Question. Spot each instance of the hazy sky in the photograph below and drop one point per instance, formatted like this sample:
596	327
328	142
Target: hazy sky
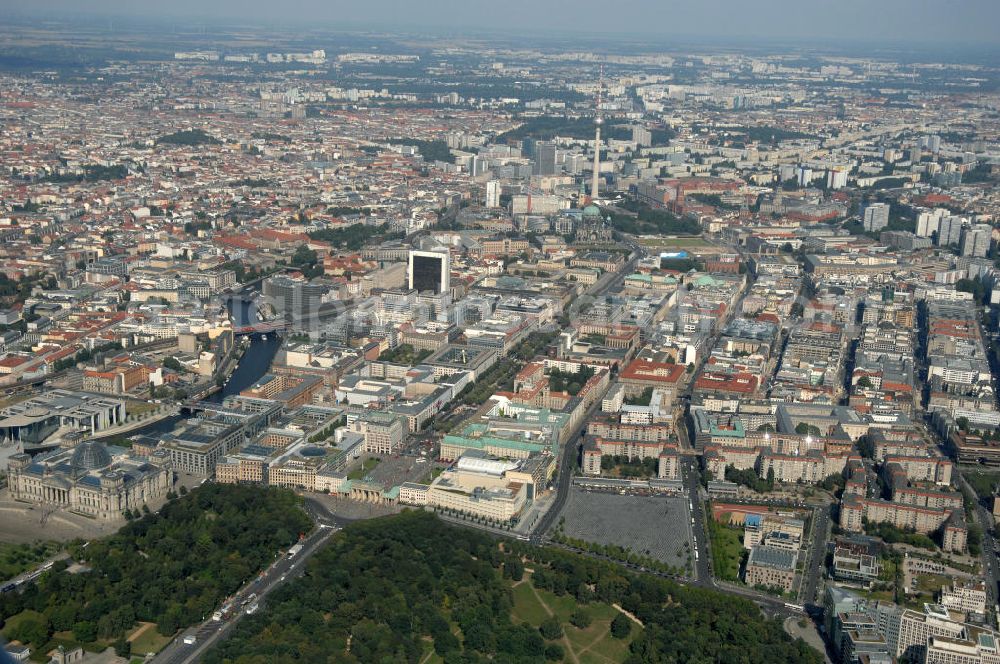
910	21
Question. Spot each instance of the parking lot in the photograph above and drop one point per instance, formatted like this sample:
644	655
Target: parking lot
654	526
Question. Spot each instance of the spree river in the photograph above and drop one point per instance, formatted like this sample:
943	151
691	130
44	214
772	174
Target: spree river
254	364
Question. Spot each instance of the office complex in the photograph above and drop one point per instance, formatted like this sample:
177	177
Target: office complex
545	158
429	272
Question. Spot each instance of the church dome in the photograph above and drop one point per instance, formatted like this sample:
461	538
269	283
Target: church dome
90	455
592	211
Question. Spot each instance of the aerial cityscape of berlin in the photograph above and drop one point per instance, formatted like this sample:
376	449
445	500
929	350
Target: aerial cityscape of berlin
525	332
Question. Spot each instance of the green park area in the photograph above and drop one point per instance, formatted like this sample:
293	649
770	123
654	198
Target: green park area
727	549
412	588
158	574
16	559
584	632
985	483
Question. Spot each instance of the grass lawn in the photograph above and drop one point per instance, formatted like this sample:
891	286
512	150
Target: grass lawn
18	558
16	620
582	639
593	645
612	649
882	595
428	655
984	482
727	549
932	583
147	639
364	469
527	606
137	408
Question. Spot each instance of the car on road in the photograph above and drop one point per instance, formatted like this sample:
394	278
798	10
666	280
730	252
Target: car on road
190	640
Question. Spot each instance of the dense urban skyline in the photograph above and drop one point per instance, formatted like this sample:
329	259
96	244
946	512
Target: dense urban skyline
527	332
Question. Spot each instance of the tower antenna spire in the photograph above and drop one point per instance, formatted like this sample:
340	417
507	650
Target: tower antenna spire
598	121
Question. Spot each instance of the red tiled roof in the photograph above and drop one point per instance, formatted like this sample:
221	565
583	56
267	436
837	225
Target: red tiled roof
656	371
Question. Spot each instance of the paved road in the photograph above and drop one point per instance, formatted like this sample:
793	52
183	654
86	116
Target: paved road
32	574
699	533
817	555
211	632
991	564
570	454
571	448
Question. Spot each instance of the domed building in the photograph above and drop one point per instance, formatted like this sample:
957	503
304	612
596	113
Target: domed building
90	479
592	228
90	455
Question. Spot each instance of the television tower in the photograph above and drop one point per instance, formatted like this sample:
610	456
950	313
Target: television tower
598	121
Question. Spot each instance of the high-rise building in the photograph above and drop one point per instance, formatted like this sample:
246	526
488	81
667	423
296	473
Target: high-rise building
932	143
295	300
641	136
875	216
836	179
950	230
929	221
528	147
479	165
805	176
976	240
545	158
429	271
493	194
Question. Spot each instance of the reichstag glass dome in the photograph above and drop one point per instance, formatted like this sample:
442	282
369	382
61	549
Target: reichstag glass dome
90	455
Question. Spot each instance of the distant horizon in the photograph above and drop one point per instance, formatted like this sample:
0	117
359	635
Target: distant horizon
915	24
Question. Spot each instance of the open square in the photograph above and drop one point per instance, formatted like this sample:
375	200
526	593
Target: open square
654	526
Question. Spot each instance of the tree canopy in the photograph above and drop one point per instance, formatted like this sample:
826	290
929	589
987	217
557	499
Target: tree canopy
380	589
351	237
188	137
171	568
651	221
